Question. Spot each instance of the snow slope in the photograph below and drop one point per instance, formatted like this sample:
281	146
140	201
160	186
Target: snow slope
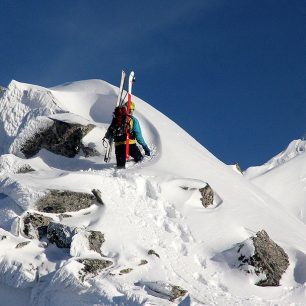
152	205
284	178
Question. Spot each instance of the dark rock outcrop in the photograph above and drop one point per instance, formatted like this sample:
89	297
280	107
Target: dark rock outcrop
61	138
35	225
152	252
207	196
177	292
269	259
259	256
25	169
57	201
61	234
93	266
96	239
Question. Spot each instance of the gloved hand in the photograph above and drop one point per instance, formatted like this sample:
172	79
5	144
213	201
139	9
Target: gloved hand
147	150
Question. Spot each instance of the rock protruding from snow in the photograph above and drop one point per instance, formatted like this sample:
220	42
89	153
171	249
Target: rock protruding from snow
238	168
87	243
269	258
92	267
96	239
163	290
207	196
152	252
58	201
25	169
22	244
61	234
35	225
259	256
61	138
97	194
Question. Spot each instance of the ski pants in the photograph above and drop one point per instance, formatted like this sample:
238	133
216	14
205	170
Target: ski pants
120	154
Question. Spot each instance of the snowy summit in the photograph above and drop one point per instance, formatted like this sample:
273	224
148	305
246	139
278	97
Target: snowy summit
178	228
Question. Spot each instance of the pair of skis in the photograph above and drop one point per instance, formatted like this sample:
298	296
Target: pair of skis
120	102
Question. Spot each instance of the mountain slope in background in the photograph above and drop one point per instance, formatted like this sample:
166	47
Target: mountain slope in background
151	206
284	178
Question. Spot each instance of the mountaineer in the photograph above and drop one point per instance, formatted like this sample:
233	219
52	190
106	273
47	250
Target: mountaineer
121	125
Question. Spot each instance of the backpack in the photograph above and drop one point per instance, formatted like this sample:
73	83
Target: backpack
120	121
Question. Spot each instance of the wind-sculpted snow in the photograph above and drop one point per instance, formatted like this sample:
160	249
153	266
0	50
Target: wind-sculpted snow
295	148
19	266
154	236
21	104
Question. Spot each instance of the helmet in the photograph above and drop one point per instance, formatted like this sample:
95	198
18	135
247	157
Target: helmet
132	105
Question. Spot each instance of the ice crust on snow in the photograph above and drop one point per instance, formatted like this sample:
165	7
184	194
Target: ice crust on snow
153	205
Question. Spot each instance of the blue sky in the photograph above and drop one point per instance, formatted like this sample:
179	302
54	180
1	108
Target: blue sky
230	72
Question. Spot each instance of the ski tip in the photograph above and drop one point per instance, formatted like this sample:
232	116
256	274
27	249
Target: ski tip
132	77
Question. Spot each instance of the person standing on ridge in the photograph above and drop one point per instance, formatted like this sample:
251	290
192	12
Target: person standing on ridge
117	131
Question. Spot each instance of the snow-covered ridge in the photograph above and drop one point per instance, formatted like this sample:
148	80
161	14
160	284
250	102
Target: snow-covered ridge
284	178
157	232
295	148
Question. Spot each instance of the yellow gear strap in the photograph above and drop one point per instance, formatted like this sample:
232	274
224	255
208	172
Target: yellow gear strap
132	141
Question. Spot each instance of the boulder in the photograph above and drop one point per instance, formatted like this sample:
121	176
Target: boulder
93	267
35	225
84	242
260	257
207	196
58	201
96	239
61	234
61	138
269	259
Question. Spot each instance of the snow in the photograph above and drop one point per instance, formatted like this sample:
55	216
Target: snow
153	205
284	178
